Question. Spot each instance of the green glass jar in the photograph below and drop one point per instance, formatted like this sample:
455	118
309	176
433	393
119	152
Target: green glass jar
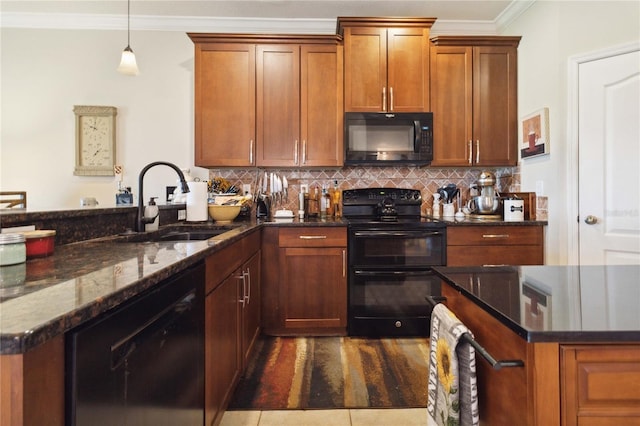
12	249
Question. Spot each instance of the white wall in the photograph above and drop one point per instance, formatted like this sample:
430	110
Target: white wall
552	32
46	72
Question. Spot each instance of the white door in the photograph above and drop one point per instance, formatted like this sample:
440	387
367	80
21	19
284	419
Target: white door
609	160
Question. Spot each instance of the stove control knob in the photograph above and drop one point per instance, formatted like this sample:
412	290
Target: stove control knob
398	324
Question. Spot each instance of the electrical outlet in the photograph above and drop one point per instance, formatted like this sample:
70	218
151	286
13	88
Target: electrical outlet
182	215
246	188
304	188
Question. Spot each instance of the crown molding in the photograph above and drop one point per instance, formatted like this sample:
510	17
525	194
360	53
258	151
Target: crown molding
77	21
512	12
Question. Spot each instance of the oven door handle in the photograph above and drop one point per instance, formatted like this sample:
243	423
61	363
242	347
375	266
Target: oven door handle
370	273
400	234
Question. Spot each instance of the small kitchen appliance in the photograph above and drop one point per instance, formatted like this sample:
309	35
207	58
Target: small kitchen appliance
488	202
384	139
392	250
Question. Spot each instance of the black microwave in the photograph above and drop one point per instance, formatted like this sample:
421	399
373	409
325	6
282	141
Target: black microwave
388	138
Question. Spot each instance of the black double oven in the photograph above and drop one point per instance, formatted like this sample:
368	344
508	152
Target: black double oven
392	250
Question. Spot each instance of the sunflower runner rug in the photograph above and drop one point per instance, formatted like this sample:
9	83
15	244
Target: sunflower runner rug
334	372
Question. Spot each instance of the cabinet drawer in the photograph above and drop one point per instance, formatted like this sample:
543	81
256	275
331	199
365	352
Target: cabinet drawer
219	265
494	235
320	236
495	255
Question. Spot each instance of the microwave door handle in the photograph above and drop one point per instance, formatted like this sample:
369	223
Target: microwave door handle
418	136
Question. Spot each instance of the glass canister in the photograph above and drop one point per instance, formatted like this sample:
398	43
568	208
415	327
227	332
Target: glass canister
12	249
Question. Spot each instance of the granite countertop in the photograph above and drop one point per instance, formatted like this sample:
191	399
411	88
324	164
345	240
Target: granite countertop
569	304
82	280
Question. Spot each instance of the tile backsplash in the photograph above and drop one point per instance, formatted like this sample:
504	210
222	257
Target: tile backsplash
426	179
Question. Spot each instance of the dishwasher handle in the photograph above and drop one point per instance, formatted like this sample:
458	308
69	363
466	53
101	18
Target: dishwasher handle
122	349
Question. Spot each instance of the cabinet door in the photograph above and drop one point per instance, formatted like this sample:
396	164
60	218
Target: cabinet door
365	62
451	103
222	357
321	109
408	69
278	105
314	288
224	104
251	306
495	124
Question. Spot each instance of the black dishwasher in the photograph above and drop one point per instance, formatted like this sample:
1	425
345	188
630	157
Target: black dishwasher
143	363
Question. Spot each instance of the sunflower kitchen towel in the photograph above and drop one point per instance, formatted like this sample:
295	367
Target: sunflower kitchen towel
452	389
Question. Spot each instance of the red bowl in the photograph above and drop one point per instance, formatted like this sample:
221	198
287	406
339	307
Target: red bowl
39	243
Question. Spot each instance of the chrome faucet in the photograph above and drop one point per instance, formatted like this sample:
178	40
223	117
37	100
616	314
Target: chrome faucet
141	220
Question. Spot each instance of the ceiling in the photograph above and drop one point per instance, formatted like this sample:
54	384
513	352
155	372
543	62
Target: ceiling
465	10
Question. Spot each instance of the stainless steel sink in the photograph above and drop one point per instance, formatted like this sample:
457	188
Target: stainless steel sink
191	235
175	234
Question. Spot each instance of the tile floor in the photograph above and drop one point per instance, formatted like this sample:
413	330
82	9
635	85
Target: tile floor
353	417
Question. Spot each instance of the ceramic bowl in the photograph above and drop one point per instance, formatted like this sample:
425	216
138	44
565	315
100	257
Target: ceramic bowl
224	214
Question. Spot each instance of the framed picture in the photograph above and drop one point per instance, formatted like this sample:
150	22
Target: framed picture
534	135
535	308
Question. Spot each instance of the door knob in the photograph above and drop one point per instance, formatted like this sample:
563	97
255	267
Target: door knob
591	220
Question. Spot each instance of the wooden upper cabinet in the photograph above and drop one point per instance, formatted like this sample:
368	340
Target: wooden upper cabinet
278	105
268	100
299	96
321	105
386	64
225	98
474	100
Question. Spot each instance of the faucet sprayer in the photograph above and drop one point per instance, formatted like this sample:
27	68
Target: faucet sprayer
141	220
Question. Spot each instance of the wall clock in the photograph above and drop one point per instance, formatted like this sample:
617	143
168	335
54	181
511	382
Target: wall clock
95	140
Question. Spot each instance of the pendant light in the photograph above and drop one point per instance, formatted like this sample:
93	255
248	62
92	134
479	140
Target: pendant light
128	65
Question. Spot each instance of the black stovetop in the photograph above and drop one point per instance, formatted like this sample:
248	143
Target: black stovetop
385	206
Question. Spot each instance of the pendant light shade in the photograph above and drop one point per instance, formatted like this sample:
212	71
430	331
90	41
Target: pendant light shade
128	65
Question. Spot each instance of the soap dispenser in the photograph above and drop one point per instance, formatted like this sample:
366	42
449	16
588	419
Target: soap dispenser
151	211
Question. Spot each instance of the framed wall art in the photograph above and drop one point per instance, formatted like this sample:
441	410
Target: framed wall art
534	134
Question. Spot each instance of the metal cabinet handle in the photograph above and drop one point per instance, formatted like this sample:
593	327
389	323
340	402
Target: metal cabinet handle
312	237
495	236
295	152
304	151
470	151
590	220
390	98
247	296
384	99
477	151
244	288
251	152
344	263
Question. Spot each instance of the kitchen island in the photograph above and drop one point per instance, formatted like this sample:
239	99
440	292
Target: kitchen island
575	328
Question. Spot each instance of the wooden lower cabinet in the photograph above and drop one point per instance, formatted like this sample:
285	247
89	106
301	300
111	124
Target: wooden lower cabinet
32	386
601	384
222	356
232	320
306	294
495	245
561	383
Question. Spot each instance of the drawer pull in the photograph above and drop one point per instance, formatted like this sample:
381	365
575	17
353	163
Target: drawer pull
495	236
313	237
